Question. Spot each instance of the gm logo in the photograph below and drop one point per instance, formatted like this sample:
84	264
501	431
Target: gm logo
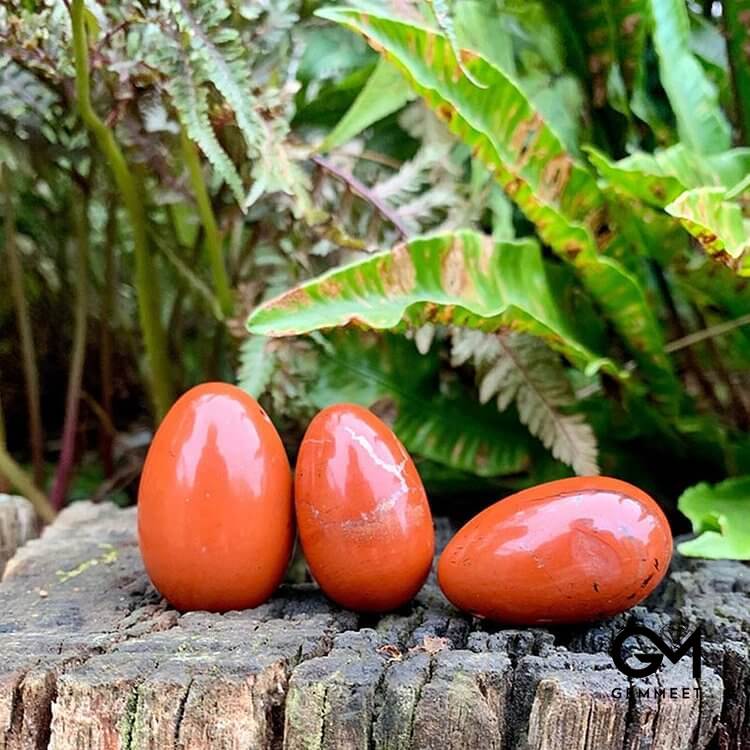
651	659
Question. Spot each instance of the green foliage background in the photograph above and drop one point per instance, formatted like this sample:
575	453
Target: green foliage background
516	230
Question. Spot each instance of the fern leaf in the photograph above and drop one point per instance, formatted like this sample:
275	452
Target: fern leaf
423	337
191	102
212	55
256	365
521	368
221	61
428	186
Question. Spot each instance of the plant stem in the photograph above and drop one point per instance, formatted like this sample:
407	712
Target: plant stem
145	272
75	375
358	187
211	229
28	353
19	479
105	334
707	333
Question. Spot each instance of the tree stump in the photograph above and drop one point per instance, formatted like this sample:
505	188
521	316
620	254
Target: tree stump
92	657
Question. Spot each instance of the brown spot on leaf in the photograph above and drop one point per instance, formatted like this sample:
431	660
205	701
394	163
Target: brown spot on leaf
707	238
429	53
429	312
331	288
599	224
398	272
524	137
291	300
453	274
485	256
725	258
513	186
572	249
444	111
555	176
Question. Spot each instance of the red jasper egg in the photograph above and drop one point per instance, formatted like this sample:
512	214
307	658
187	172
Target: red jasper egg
364	521
568	551
215	514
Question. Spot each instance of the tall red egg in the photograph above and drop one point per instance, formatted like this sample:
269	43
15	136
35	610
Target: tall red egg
567	551
364	521
215	512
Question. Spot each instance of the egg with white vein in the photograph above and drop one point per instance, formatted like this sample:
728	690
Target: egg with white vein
363	517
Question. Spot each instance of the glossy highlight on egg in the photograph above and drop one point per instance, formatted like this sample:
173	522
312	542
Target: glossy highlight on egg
215	511
568	551
364	520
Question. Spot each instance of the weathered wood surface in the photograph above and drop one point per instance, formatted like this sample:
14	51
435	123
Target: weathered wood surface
91	657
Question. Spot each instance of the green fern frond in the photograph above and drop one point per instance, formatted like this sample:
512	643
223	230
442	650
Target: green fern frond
208	54
256	365
521	368
427	188
216	51
191	102
24	101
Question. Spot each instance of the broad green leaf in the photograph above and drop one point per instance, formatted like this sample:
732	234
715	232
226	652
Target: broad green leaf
694	98
737	29
658	178
498	122
452	429
445	22
385	92
708	43
717	224
640	175
560	100
720	515
556	193
481	27
460	279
